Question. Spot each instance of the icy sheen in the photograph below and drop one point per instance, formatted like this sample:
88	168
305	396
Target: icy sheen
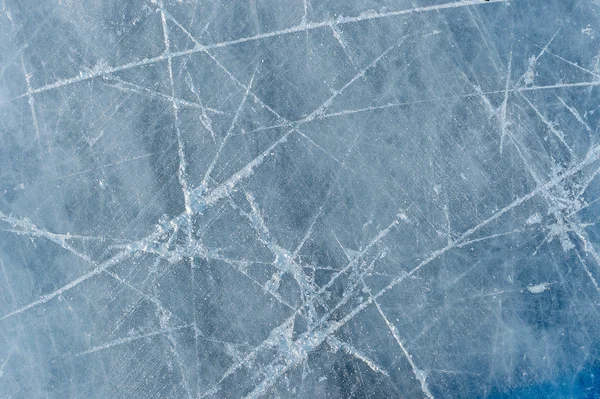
299	199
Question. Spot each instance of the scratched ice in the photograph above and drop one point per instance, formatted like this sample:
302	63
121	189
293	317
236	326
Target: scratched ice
299	199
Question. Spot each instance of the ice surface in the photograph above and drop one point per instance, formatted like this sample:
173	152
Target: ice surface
299	199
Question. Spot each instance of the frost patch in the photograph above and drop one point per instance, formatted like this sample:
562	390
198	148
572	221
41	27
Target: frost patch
530	74
534	219
587	30
538	288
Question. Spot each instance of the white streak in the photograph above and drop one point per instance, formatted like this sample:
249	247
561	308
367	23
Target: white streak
419	374
126	340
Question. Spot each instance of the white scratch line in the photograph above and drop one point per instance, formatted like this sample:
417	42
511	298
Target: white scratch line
47	297
225	188
505	101
559	135
4	365
341	20
181	173
31	102
419	375
295	29
336	344
576	114
134	88
588	272
122	341
539	55
573	64
228	134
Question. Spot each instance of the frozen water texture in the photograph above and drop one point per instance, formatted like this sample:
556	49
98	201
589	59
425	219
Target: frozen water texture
299	199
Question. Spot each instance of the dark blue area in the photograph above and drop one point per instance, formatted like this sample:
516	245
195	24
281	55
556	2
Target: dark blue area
583	385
